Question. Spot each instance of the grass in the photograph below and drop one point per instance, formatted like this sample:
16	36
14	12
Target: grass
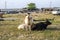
9	31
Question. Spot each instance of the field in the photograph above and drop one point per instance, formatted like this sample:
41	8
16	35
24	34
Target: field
9	31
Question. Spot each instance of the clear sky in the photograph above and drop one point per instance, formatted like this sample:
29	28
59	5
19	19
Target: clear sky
23	3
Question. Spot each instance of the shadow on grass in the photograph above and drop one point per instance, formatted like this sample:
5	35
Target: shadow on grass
53	28
1	19
41	25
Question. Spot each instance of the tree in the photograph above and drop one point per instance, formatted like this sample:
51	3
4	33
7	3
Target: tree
31	6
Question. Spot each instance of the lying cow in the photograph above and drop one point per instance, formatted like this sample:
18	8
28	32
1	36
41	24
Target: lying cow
28	23
22	26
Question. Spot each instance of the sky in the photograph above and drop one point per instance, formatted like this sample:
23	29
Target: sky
23	3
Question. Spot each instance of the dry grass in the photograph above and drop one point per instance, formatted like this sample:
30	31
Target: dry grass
9	31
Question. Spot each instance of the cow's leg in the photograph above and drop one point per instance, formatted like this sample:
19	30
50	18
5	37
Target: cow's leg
26	27
29	28
32	26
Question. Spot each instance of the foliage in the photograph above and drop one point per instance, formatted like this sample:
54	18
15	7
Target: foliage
31	6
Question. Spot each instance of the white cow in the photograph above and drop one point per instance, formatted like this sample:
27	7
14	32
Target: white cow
28	21
22	26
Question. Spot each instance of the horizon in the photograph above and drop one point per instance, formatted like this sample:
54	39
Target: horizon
11	4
